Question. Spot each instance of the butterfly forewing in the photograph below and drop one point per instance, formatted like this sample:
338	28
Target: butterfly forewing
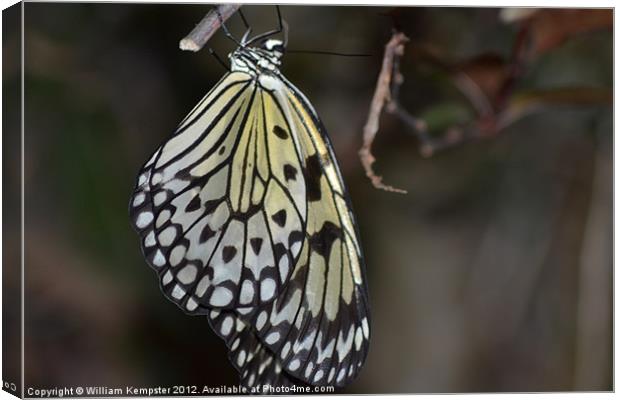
224	228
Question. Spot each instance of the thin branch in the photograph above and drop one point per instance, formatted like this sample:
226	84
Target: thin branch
491	119
393	107
495	113
393	50
519	107
210	24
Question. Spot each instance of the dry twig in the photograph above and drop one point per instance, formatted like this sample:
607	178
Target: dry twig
393	50
492	116
201	34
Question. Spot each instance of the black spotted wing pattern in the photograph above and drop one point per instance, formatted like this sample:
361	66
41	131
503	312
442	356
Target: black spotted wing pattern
244	216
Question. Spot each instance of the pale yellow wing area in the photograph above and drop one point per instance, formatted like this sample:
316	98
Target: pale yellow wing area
317	328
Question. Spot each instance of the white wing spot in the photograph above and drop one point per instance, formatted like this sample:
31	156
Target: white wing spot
341	374
138	199
142	180
221	297
295	247
251	380
241	358
247	292
301	312
178	292
267	289
167	278
201	288
176	255
309	369
260	321
344	345
159	198
285	349
144	218
294	365
365	327
226	326
158	259
191	304
188	274
358	338
240	325
156	178
262	367
283	266
162	218
318	375
149	241
327	350
167	236
272	338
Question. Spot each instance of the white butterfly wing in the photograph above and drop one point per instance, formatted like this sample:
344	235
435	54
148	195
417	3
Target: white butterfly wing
220	222
244	216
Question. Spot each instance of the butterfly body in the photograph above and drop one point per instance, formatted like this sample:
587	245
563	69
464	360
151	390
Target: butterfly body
244	216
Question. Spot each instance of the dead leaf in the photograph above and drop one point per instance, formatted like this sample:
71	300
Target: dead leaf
552	27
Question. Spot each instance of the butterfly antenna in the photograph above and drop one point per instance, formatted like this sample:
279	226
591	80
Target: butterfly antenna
245	21
329	53
273	32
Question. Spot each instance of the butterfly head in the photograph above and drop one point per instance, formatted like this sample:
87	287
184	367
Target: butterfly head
264	58
274	46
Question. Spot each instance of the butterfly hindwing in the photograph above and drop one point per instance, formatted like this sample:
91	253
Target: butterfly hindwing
319	325
258	367
317	328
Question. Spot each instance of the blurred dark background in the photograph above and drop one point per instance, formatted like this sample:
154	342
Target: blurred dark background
492	274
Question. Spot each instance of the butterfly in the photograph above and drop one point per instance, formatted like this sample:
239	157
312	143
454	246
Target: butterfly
244	216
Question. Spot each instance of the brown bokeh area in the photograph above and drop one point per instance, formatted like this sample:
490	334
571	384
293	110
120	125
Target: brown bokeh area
493	273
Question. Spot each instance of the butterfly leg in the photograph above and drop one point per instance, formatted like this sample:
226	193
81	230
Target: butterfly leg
225	29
